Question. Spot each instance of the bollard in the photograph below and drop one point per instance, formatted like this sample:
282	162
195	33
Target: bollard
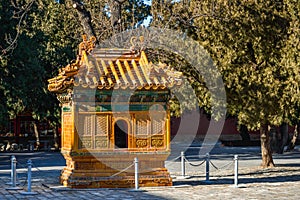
136	173
28	192
207	168
13	171
13	174
182	165
236	167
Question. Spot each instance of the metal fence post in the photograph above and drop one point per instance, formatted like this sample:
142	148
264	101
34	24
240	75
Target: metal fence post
13	171
13	174
182	164
136	173
29	164
236	168
207	168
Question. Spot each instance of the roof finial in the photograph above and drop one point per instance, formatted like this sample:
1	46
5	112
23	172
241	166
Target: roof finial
137	46
87	44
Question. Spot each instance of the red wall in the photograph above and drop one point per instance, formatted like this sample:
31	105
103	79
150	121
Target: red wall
229	127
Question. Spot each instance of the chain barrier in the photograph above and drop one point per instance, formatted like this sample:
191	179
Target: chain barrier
194	165
123	170
22	166
28	178
207	160
29	192
17	166
116	174
183	160
170	161
38	171
212	164
222	167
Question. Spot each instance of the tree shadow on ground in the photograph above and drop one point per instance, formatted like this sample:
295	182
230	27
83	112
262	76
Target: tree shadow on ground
227	153
39	159
260	176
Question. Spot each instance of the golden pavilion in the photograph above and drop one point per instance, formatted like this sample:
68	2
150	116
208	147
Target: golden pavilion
114	108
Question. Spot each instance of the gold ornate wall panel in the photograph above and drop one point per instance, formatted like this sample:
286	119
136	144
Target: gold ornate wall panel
150	133
92	131
85	142
141	143
67	134
157	141
101	142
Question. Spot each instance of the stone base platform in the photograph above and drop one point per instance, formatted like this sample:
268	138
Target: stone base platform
114	170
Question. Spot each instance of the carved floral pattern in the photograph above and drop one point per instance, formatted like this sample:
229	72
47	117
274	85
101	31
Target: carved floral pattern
140	143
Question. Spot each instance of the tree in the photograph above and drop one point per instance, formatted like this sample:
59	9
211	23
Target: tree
292	143
40	36
104	18
254	44
248	41
3	61
34	42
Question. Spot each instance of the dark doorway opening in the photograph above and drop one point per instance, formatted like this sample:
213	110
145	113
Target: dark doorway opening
121	137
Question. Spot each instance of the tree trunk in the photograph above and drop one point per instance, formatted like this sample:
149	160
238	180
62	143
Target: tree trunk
273	139
37	136
266	152
85	18
244	133
115	13
55	138
292	143
284	136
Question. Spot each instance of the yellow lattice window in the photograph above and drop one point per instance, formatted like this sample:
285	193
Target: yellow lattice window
143	125
158	126
84	125
92	131
101	125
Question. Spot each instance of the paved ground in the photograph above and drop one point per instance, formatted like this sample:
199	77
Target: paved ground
282	182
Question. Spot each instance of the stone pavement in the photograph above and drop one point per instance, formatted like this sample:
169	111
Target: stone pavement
282	182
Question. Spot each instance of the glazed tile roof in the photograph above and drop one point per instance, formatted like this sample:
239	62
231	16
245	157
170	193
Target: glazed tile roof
114	69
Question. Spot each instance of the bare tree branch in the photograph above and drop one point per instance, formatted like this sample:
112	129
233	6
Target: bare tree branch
85	18
115	11
22	11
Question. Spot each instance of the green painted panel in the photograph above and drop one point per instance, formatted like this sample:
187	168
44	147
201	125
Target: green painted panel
66	109
132	107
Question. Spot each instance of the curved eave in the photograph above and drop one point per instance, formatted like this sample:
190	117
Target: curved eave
103	73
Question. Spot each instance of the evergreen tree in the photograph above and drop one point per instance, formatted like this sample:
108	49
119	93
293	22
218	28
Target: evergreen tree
255	45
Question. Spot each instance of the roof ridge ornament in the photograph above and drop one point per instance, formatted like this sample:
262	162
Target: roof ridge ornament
137	46
87	45
163	70
114	68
